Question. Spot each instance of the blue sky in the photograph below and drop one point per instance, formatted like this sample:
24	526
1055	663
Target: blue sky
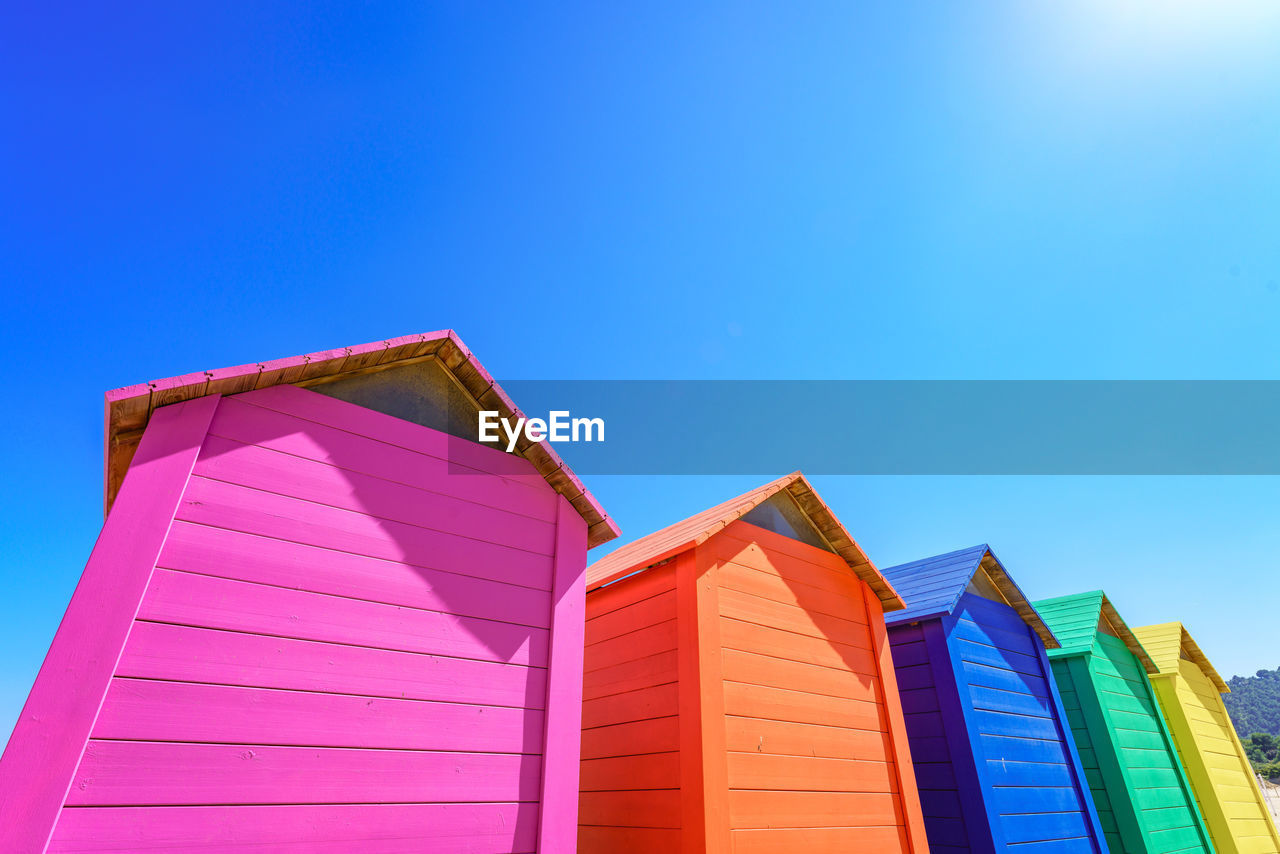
888	190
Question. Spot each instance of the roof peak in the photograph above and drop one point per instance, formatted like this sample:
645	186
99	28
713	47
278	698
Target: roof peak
932	587
1169	641
129	408
681	536
1076	618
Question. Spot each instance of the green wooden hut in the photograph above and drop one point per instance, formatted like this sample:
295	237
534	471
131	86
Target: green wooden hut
1144	800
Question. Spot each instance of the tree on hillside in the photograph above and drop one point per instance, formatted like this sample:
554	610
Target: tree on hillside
1254	703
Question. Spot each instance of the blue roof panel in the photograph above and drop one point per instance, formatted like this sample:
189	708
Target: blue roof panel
932	586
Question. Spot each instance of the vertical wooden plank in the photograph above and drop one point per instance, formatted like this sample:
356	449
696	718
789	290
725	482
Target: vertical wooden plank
558	818
1184	781
693	800
964	746
1115	775
917	841
704	758
1193	761
1077	770
989	819
40	761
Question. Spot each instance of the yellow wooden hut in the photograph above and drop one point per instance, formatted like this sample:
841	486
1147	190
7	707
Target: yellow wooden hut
1190	694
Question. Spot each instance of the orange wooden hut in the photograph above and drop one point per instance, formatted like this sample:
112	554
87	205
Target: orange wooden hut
739	690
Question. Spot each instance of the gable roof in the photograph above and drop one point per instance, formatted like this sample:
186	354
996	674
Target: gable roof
129	409
682	536
1074	621
1168	641
933	586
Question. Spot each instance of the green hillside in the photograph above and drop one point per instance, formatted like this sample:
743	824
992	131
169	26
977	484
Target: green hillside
1254	703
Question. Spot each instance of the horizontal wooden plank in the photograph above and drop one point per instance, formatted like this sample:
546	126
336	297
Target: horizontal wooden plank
845	605
656	735
939	776
1014	800
326	829
217	603
1005	773
979	653
764	612
627	840
616	773
819	840
183	654
1018	641
634	808
650	583
280	563
783	738
909	653
762	669
780	705
658	701
1003	679
753	637
139	773
633	617
639	644
507	485
251	511
1037	827
940	804
1026	726
917	700
630	675
1021	705
348	417
142	710
829	574
1015	749
927	749
752	809
321	483
809	773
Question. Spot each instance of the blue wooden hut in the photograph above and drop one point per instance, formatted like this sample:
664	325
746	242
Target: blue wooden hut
995	762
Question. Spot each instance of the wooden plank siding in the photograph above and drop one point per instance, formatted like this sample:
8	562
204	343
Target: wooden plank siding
1188	690
1034	781
1142	794
344	645
995	763
630	772
812	762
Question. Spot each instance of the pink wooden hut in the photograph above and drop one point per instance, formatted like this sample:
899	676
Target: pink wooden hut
320	618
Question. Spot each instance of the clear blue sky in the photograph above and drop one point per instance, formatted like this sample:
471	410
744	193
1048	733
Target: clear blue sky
888	190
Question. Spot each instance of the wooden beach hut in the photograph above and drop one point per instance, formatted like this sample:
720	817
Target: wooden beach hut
995	763
320	618
1144	800
739	695
1190	694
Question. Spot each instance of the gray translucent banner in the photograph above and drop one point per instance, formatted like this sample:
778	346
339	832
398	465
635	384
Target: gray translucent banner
916	427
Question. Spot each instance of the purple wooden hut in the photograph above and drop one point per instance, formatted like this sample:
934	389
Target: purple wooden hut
320	617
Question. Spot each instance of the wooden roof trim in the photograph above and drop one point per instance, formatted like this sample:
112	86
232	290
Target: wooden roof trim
1164	635
1016	599
1193	651
129	409
661	545
1112	616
